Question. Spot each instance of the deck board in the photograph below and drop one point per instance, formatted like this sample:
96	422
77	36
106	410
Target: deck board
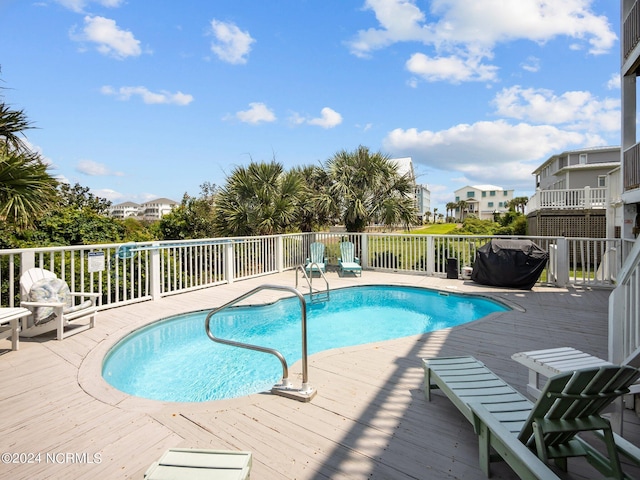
370	419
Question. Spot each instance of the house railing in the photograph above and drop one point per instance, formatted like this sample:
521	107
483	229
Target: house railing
128	273
577	198
631	167
624	313
630	31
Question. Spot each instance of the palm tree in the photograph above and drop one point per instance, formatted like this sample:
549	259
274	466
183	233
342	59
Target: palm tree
12	125
518	204
462	205
26	188
451	207
260	199
319	208
368	189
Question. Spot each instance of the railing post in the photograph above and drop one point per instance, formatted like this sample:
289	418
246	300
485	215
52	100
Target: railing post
431	256
229	261
27	260
280	253
155	274
562	262
587	197
364	243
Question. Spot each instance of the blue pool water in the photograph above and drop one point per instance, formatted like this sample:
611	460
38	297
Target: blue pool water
174	360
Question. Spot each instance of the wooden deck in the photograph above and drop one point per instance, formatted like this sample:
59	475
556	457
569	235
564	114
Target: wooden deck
369	420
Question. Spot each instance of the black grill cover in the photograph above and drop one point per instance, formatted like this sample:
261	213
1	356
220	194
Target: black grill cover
509	263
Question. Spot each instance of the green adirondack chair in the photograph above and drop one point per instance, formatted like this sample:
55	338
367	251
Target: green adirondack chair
525	434
316	260
348	262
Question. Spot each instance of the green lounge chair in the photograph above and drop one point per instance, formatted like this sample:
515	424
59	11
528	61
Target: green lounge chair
316	260
527	435
348	262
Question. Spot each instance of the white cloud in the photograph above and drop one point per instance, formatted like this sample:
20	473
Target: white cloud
147	96
614	82
110	39
463	33
231	44
576	110
258	113
328	118
532	64
454	69
502	152
95	169
111	195
486	152
79	5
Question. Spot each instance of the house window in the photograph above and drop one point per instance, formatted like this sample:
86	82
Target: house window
457	199
491	204
471	194
583	158
492	193
500	205
484	194
602	180
505	193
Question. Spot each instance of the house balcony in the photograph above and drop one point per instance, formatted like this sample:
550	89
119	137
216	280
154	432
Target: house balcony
630	31
568	199
631	168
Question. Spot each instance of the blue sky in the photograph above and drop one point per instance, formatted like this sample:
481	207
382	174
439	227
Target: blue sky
142	99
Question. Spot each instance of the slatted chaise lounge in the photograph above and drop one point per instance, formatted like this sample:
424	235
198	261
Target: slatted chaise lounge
527	435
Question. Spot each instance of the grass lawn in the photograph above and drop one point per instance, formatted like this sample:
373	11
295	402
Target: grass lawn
435	229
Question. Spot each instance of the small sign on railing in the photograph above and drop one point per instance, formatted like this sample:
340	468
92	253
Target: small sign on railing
96	262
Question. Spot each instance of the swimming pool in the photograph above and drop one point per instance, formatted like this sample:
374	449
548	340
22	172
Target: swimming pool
174	360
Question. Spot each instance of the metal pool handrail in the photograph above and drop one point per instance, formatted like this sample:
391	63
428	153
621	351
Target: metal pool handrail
306	390
309	278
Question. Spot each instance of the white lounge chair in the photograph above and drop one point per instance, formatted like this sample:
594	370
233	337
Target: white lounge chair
194	463
54	306
10	324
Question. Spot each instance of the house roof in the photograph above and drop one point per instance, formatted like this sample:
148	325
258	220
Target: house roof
574	152
487	187
166	201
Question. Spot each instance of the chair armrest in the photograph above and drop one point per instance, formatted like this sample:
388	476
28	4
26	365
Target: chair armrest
624	447
519	457
42	304
85	294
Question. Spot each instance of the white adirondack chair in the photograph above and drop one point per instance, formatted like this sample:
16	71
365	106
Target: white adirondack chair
45	295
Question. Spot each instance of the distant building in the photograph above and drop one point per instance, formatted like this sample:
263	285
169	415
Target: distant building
153	210
577	169
124	210
156	209
482	201
574	191
421	195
